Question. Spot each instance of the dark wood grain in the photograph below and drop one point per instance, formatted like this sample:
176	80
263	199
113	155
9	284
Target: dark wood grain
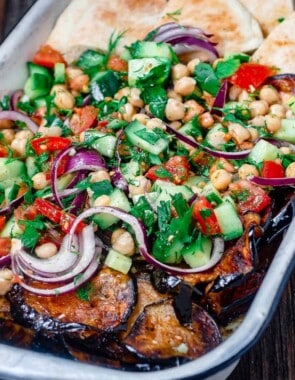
273	357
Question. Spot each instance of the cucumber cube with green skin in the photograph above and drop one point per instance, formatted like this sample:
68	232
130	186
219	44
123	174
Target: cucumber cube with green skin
90	58
11	172
148	71
212	141
264	151
59	73
229	221
137	134
37	85
118	261
150	49
168	189
11	229
104	143
212	194
37	69
104	84
198	253
172	254
287	131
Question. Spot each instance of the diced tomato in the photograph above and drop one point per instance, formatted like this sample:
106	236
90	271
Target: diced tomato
205	217
116	63
2	222
83	119
272	169
251	74
3	151
61	167
177	168
5	246
50	144
48	57
25	213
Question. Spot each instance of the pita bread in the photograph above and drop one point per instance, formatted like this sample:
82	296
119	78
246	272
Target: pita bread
278	49
90	23
268	13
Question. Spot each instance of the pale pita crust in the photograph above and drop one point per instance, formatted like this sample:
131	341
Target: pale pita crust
278	49
89	23
269	12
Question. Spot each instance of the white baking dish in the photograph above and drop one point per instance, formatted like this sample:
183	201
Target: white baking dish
216	365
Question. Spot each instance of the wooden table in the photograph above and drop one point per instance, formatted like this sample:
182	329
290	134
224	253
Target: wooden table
273	357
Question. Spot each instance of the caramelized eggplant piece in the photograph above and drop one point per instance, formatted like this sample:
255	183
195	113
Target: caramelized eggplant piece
157	334
17	335
4	308
163	281
183	304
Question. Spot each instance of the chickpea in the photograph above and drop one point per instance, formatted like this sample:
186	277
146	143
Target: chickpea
155	123
122	241
253	133
103	200
234	92
172	94
192	108
222	163
258	107
179	71
258	121
100	175
26	135
63	98
269	94
175	124
80	83
127	111
141	185
238	132
46	250
39	181
285	150
6	277
206	120
19	146
73	72
279	110
134	98
8	135
273	123
247	170
184	86
122	92
174	110
192	64
141	117
218	138
290	171
221	179
244	96
53	131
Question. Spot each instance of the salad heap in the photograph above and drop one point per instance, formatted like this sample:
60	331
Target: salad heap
151	157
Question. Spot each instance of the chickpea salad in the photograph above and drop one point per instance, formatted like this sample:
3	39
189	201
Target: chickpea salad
152	160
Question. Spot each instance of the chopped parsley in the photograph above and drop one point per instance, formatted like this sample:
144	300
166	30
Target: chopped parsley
225	69
31	234
83	293
5	103
174	15
207	78
156	98
148	136
161	172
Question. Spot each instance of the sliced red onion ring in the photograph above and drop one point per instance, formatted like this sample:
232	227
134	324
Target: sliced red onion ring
63	194
12	205
85	159
274	182
78	202
18	116
119	181
216	153
141	238
14	99
220	99
5	260
283	82
172	29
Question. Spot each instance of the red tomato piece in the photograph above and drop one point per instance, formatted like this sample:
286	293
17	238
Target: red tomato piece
48	57
50	144
272	169
28	213
177	168
83	119
116	63
251	74
3	151
205	217
61	167
2	222
152	173
5	246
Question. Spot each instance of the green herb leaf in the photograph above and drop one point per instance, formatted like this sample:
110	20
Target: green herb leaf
30	236
156	98
174	15
142	210
163	173
83	293
225	69
207	78
164	215
179	204
148	136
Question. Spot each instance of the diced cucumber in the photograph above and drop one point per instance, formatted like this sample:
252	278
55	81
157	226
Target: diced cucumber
229	199
131	170
63	181
37	85
37	69
32	168
190	130
212	194
104	84
117	199
229	221
90	58
117	261
116	124
10	172
172	189
59	73
150	49
11	192
11	229
198	253
196	180
145	139
104	143
152	197
172	255
287	131
148	71
212	141
291	104
264	151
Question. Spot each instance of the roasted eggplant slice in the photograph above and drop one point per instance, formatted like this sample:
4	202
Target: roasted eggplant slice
17	335
157	334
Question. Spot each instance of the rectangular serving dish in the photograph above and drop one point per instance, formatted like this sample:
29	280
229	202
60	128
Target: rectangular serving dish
217	364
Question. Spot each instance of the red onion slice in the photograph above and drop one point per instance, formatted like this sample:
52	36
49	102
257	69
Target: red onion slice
220	99
274	182
172	29
18	116
5	260
12	205
85	159
14	99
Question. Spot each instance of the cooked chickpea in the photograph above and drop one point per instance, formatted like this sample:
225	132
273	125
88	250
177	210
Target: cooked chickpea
53	131
290	171
155	123
122	241
279	110
122	92
258	107
103	200
179	71
127	111
234	92
26	134
141	184
80	83
269	94
247	170
172	94
174	110
238	132
39	181
6	277
285	150
63	99
273	123
184	86
134	98
258	121
206	120
221	179
192	64
253	133
100	175
244	96
192	109
73	72
19	146
218	138
8	135
46	250
175	124
141	117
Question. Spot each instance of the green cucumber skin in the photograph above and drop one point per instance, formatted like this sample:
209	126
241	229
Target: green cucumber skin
196	257
229	221
264	151
104	143
287	131
11	172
